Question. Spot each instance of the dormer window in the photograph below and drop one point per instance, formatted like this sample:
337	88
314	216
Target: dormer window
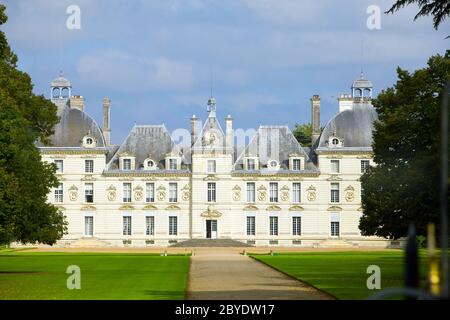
173	163
126	161
296	162
251	163
273	165
89	142
334	142
149	164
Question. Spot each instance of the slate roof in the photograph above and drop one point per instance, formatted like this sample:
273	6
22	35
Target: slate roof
354	127
145	141
274	143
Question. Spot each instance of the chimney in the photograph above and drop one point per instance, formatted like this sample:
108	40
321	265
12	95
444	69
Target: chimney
106	123
194	133
345	102
229	131
77	102
315	118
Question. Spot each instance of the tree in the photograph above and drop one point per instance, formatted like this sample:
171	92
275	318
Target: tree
302	132
25	181
439	9
403	187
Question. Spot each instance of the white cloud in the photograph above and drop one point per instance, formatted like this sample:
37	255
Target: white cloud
124	72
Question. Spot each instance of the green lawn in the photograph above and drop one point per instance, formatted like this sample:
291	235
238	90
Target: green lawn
342	274
27	275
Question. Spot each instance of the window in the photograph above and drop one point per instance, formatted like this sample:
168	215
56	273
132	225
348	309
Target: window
173	164
88	166
273	186
59	193
364	166
173	226
126	192
334	228
89	226
296	226
251	164
126	164
273	224
211	192
89	192
251	223
127	225
335	192
59	166
296	192
334	166
211	166
335	141
150	192
296	164
150	226
173	192
273	164
250	192
89	141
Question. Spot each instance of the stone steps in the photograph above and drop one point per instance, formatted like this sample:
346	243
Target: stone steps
210	243
89	242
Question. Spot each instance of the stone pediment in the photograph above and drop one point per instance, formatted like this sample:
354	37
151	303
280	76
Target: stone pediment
296	208
334	178
88	208
211	213
334	208
88	178
149	207
273	208
126	207
250	208
210	177
173	207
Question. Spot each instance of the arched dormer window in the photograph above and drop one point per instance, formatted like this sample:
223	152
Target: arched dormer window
273	164
89	142
335	142
150	164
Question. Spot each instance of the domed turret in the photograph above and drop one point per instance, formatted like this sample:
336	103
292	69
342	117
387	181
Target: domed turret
362	88
60	88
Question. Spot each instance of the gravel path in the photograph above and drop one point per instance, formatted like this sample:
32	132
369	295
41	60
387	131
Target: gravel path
226	274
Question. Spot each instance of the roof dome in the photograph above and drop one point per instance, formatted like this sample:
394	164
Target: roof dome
60	82
362	82
74	125
352	127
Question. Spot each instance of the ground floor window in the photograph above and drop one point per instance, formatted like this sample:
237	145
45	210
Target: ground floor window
173	226
296	226
150	226
334	229
251	229
89	226
127	226
273	225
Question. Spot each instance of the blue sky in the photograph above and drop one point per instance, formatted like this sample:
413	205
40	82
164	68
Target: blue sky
153	58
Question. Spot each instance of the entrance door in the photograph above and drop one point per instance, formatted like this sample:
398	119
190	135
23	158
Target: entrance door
88	226
211	229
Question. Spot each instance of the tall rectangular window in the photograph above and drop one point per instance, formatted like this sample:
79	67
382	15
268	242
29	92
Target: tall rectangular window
251	164
335	192
126	191
149	192
273	225
173	226
250	192
273	188
335	166
88	166
296	164
89	226
211	192
211	166
127	225
296	226
251	226
59	193
173	164
59	166
126	164
365	166
150	226
335	229
173	192
89	192
296	192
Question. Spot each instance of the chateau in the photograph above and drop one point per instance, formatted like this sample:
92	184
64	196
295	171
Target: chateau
148	191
